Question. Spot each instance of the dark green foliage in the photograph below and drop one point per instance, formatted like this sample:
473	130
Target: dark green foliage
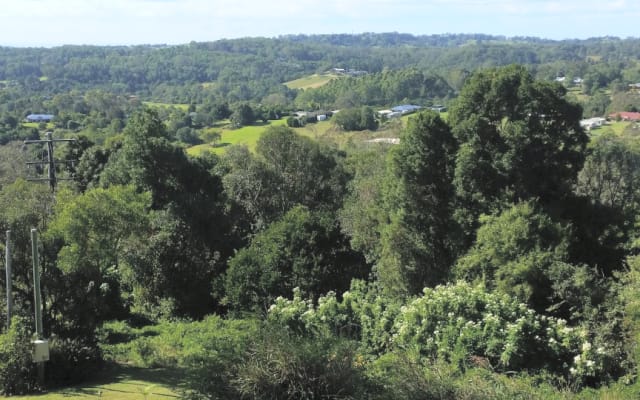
419	243
611	173
519	139
173	264
289	170
363	214
356	119
242	115
304	249
72	361
17	370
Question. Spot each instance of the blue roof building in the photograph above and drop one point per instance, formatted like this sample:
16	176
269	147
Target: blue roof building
406	108
39	118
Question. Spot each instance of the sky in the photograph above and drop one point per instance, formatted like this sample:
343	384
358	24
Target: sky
46	23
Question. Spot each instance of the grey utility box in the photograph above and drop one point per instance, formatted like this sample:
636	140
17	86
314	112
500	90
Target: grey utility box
40	350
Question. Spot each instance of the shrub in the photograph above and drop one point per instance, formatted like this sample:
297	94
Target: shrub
282	365
17	371
460	324
72	361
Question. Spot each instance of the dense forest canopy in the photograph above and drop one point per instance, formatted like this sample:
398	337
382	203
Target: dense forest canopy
487	236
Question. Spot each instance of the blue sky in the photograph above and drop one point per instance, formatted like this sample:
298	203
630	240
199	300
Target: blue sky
111	22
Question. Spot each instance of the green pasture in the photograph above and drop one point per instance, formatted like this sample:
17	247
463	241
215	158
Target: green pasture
153	104
310	82
247	135
324	130
37	125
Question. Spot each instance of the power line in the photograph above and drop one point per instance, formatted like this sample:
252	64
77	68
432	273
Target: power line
51	162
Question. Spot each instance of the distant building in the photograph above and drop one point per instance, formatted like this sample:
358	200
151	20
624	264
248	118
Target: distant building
592	123
626	116
578	81
388	114
385	140
560	79
438	107
406	108
321	117
39	118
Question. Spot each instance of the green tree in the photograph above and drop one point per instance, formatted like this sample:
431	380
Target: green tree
519	139
363	214
418	244
96	228
242	115
356	119
524	253
189	193
288	170
304	249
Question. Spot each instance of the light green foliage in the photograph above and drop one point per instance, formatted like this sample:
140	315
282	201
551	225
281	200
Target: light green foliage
516	252
96	224
95	229
17	370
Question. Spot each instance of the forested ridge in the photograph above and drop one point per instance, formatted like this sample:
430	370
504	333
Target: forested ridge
491	253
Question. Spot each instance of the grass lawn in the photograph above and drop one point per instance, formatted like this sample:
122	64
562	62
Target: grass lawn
247	135
183	107
37	125
120	382
309	82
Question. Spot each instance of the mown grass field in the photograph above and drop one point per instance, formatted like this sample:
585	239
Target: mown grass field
183	107
311	82
247	135
120	382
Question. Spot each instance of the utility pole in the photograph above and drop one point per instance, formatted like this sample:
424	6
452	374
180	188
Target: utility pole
51	162
9	284
41	346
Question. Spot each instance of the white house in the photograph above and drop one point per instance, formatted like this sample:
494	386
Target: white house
592	123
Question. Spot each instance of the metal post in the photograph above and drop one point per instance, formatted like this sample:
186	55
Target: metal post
36	282
9	284
37	297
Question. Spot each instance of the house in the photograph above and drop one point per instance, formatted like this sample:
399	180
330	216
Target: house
592	123
560	79
322	117
39	118
578	81
625	116
406	108
438	107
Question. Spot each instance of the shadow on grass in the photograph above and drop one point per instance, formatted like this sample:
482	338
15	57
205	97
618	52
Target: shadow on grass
124	381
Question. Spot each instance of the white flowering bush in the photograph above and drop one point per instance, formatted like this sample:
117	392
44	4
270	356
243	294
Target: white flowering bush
458	323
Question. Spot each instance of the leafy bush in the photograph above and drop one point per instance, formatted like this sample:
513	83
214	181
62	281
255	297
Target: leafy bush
17	371
72	360
282	365
460	324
